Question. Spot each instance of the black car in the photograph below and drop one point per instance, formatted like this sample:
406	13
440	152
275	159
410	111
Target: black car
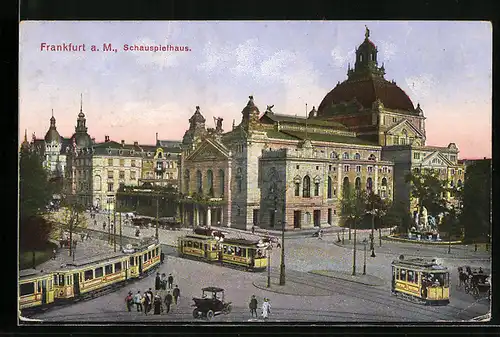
211	303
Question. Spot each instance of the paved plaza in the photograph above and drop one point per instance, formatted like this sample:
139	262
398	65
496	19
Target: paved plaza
319	285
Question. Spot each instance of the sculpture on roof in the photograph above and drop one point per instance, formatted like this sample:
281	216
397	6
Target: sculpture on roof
269	107
367	32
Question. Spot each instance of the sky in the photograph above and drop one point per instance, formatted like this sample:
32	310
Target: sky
445	66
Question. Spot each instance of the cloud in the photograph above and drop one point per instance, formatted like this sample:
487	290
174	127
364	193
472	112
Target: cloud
388	50
340	58
421	85
215	57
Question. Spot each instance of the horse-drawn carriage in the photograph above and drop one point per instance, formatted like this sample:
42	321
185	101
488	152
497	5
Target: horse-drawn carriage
211	303
169	223
475	281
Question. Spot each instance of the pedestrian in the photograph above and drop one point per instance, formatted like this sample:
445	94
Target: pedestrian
163	281
150	299
170	281
162	257
88	236
157	282
95	223
54	254
266	308
129	301
147	302
138	301
177	293
320	234
82	236
253	306
104	226
168	301
253	229
158	307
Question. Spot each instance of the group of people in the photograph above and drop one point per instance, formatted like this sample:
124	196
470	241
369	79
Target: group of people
165	295
266	307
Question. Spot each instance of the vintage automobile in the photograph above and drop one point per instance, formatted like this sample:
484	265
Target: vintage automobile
211	303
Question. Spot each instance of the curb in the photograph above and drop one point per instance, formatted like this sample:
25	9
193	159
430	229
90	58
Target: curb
320	272
273	290
471	258
441	243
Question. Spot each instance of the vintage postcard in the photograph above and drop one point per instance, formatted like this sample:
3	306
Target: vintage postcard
254	171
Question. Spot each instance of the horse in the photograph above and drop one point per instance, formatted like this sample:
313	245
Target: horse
462	277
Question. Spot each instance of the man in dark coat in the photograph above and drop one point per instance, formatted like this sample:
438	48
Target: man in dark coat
129	301
253	305
158	308
149	296
168	301
170	281
176	292
162	257
157	282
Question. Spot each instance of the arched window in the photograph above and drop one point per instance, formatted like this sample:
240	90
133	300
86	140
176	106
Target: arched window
306	189
297	189
334	155
459	183
357	156
360	57
221	182
345	185
239	178
372	157
329	188
345	155
357	183
210	183
384	188
199	182
97	183
369	184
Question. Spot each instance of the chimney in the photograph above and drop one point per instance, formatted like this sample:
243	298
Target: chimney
106	138
136	143
123	142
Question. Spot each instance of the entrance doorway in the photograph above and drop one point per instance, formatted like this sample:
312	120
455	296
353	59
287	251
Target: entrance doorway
317	217
255	217
272	218
297	215
329	216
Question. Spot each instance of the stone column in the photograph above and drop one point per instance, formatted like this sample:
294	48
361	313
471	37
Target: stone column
229	192
209	217
196	215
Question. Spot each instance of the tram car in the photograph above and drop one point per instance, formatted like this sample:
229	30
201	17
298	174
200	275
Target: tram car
421	280
36	288
211	246
87	278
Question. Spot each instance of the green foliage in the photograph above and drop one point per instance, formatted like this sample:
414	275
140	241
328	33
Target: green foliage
451	224
35	192
476	210
353	205
397	215
34	233
429	189
381	206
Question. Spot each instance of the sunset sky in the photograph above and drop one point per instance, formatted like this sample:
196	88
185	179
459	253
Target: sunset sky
444	66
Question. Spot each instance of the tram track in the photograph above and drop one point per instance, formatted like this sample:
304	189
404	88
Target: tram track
375	295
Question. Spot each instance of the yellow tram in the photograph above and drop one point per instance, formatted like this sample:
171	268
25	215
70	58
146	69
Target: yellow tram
36	288
249	254
84	278
421	280
210	246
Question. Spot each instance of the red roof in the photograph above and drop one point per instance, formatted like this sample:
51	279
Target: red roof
366	91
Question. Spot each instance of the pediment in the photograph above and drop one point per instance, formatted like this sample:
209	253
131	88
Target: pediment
405	125
209	150
436	159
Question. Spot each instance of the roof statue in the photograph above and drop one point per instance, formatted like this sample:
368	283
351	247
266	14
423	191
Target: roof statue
269	107
367	32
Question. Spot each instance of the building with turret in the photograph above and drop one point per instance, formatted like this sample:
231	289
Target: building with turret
274	169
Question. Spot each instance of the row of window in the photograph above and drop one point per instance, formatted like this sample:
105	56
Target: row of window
121	175
306	186
31	287
356	156
331	168
209	181
437	170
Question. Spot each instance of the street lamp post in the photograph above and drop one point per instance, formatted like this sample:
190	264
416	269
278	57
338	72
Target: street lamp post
282	267
380	237
364	261
343	229
354	252
372	245
269	266
109	222
114	229
121	236
156	230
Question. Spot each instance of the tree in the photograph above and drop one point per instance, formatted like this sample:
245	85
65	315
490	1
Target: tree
35	192
69	218
353	205
475	217
451	223
381	206
398	215
429	189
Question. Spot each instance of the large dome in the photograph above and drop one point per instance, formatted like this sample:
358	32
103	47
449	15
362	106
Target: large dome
81	140
366	91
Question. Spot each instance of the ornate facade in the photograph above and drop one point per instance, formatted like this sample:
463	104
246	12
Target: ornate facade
282	169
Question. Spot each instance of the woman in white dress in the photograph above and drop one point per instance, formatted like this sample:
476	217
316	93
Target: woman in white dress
266	308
